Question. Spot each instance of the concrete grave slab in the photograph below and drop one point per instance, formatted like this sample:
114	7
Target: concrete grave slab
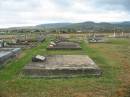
64	45
7	53
62	65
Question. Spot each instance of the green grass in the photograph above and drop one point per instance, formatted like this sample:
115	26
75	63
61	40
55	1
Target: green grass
14	67
13	85
120	41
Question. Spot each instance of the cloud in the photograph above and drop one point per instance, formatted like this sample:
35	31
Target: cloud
113	4
32	12
62	3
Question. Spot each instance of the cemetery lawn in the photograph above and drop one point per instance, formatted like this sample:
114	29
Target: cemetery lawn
113	58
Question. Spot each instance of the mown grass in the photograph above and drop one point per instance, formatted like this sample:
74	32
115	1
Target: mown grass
12	85
120	41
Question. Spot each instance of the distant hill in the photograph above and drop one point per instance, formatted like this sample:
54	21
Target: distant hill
87	26
54	25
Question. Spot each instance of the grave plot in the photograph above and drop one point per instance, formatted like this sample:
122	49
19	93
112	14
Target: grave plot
24	42
98	40
7	53
63	45
62	66
21	45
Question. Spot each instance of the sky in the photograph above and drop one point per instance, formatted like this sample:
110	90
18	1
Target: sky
32	12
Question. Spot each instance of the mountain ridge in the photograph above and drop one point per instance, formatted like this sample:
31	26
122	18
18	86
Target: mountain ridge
83	26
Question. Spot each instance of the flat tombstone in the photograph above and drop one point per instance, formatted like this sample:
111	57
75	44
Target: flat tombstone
62	65
7	53
64	45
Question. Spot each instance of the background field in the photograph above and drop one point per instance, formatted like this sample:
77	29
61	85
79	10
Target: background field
113	58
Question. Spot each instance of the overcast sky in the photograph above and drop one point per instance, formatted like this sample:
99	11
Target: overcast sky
33	12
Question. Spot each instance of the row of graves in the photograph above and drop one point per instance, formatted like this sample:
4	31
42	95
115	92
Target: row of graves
119	35
11	49
100	38
26	42
61	65
21	41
